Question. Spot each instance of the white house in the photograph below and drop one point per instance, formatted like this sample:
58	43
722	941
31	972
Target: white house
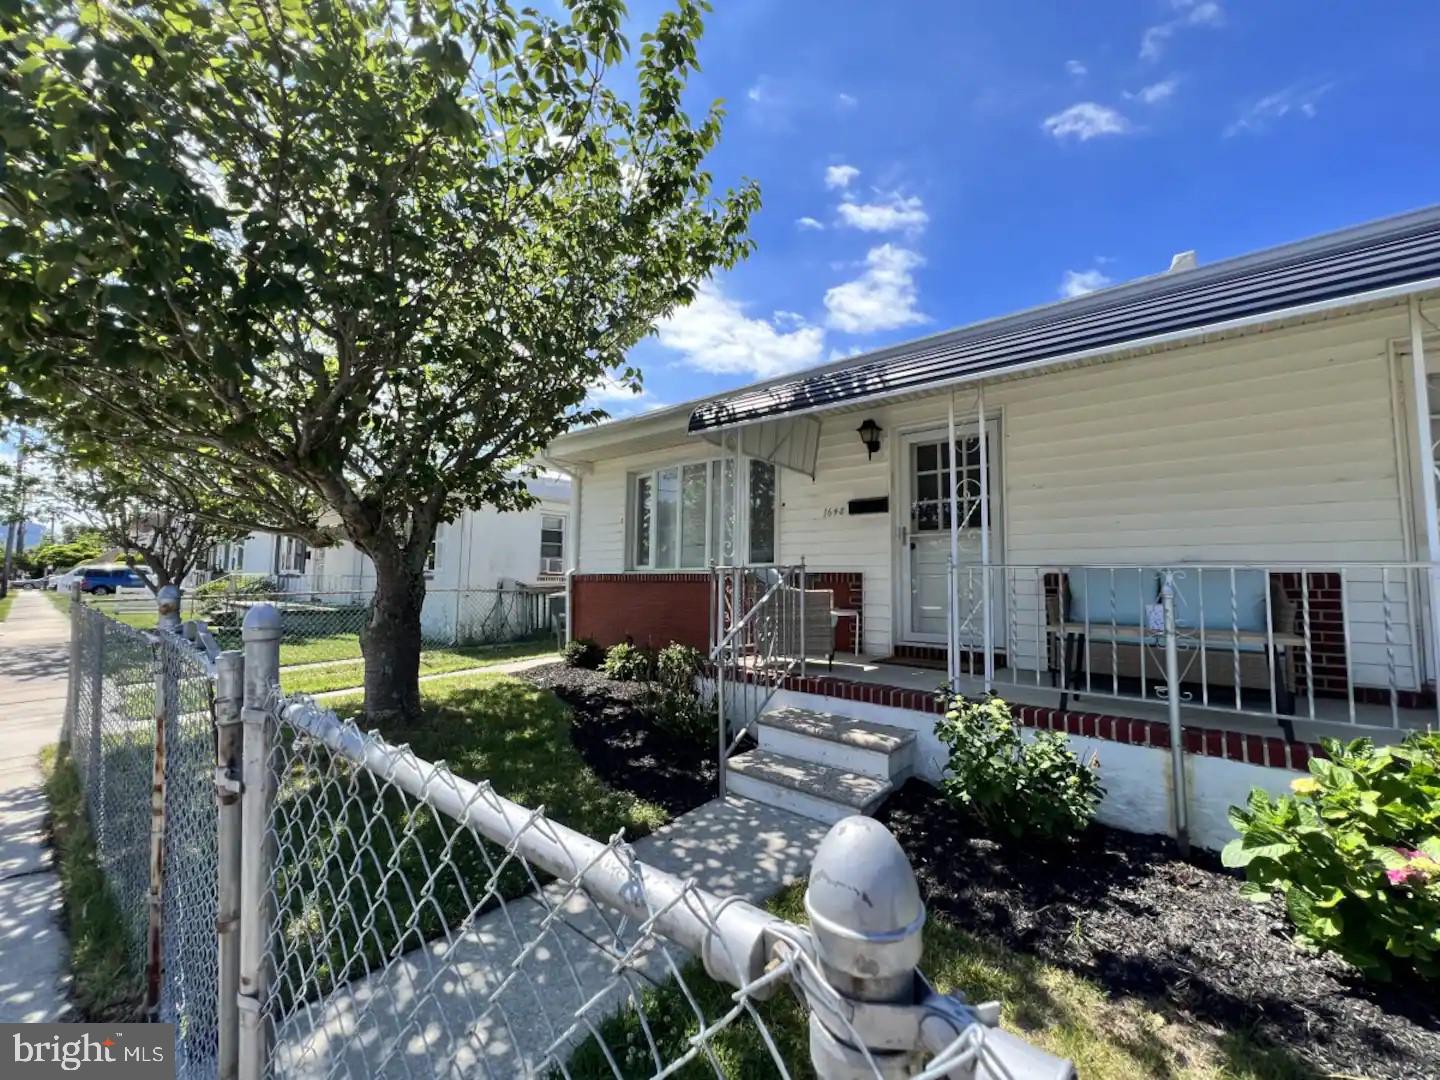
1253	434
480	552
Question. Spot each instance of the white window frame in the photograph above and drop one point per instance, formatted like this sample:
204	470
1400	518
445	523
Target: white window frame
564	528
741	539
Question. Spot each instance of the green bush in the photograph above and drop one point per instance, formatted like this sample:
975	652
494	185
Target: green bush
582	653
1354	854
233	586
677	666
1023	789
628	663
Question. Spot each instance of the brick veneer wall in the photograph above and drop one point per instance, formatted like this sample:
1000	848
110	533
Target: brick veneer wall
655	609
648	609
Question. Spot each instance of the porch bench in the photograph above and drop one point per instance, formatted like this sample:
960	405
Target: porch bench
1105	631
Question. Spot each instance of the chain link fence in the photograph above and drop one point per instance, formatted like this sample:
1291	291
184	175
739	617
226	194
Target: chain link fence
309	900
141	722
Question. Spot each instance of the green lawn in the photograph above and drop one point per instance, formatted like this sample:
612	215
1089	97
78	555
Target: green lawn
346	676
339	861
1107	1038
6	603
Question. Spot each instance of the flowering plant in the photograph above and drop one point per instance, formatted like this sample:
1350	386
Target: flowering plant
1354	852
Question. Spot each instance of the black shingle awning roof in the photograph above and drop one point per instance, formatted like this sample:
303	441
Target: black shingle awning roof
1395	252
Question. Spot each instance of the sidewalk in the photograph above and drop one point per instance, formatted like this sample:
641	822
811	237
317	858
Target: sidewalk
34	647
429	1011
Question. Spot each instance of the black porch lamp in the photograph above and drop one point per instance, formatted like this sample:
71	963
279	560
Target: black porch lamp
870	436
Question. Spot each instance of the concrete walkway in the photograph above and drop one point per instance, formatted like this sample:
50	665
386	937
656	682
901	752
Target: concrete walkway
34	647
429	1014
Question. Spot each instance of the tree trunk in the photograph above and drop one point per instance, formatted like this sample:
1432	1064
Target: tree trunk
390	641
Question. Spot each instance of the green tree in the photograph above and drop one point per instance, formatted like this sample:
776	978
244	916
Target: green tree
377	250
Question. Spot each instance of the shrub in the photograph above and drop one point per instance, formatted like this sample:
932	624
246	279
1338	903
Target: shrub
1354	854
1022	789
672	701
677	666
583	653
628	663
237	586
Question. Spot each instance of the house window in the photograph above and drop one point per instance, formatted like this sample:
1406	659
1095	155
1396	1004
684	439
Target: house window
552	544
291	555
435	553
684	515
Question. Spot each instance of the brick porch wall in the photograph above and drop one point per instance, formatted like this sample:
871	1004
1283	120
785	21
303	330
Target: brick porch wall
653	610
656	609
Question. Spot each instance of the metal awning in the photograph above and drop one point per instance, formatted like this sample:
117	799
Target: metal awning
792	442
1386	255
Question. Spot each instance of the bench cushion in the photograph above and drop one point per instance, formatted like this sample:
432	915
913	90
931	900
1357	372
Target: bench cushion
1112	597
1211	590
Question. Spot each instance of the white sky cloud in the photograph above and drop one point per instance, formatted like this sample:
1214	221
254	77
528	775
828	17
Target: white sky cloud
1300	99
808	223
840	176
892	212
1156	92
619	400
1079	282
1077	68
883	297
1086	120
846	101
714	334
1188	13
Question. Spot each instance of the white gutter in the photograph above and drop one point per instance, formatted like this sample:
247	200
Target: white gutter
1391	292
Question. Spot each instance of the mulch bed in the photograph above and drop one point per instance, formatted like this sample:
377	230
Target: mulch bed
619	743
1128	912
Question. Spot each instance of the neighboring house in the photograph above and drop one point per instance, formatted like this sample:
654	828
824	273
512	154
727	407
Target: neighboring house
481	550
1259	428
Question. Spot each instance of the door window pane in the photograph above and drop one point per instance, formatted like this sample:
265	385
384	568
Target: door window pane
642	521
762	512
693	507
667	506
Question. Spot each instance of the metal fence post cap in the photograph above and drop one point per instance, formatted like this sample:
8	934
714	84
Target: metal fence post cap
864	904
262	621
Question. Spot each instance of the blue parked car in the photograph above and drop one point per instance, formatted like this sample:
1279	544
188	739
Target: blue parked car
103	580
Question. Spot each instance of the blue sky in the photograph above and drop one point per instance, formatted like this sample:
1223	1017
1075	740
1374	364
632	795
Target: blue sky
927	164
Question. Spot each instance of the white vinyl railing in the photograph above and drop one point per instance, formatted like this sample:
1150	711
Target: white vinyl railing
1340	643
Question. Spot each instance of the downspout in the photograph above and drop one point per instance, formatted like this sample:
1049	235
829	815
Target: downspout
1424	451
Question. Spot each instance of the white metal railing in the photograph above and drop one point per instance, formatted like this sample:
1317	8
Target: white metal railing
757	640
1321	642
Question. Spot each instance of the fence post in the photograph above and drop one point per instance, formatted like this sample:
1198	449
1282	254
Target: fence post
167	600
1172	695
866	919
229	698
167	695
261	635
72	683
97	709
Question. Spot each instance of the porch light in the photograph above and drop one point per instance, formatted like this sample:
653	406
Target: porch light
870	436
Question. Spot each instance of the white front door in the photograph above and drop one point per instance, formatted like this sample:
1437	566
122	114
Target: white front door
926	534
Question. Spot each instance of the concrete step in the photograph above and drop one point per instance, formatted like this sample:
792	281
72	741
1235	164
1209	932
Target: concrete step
819	792
842	742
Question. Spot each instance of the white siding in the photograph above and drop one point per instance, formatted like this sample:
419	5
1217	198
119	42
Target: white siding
1278	447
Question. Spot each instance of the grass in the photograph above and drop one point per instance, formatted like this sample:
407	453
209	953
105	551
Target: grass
6	603
345	676
1107	1038
342	864
104	987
